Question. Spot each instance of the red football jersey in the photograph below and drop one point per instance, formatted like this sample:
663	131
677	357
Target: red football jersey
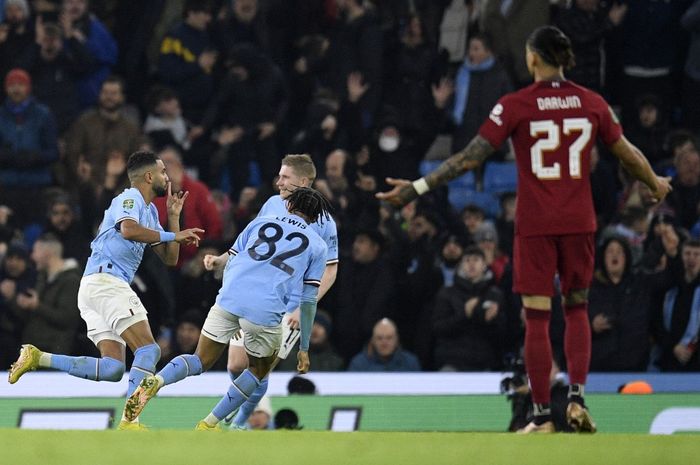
553	126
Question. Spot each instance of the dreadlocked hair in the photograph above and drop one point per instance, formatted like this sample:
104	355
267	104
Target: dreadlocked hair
311	203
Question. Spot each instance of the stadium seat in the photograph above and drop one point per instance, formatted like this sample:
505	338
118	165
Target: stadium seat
500	177
461	197
466	181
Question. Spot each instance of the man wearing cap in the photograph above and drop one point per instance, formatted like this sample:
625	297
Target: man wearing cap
28	148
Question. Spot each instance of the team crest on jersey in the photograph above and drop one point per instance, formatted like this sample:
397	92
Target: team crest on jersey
128	203
496	113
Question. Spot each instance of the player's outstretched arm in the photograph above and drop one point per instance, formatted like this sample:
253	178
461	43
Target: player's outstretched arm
469	158
638	166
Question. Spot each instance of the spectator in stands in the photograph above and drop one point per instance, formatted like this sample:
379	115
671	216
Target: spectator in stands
587	24
510	23
505	223
479	83
472	218
691	86
50	310
101	132
468	318
650	36
648	130
330	123
16	277
320	348
28	148
195	287
56	70
676	326
261	418
187	58
200	210
686	183
632	226
397	148
357	47
412	69
242	23
80	28
309	73
419	279
619	310
165	125
364	293
486	238
66	226
247	111
16	34
450	255
384	352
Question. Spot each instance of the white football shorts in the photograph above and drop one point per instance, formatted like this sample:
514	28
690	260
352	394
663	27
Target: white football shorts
289	338
109	306
259	341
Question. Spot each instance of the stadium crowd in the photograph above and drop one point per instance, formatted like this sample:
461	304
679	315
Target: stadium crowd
222	90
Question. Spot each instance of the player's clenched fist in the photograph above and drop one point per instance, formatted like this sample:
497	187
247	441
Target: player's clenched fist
303	362
211	262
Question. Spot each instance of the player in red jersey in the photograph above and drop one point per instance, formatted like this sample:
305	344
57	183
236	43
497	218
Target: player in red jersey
553	125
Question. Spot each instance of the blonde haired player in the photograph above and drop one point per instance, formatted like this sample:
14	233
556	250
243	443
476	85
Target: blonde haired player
297	170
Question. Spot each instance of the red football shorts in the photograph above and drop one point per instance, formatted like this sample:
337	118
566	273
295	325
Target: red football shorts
538	258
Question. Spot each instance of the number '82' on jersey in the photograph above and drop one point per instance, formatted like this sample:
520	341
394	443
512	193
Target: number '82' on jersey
273	259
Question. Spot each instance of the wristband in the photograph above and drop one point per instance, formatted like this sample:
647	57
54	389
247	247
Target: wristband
166	236
421	186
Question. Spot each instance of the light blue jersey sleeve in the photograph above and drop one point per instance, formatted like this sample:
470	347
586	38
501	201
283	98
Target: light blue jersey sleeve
129	206
330	237
313	274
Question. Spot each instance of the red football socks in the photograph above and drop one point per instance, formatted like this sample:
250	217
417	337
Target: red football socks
538	353
577	342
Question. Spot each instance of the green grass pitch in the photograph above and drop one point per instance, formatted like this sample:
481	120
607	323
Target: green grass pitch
24	447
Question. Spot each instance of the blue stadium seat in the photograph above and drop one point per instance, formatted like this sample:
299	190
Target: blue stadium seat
500	177
465	182
461	197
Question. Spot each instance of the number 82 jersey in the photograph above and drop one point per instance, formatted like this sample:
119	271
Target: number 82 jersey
272	258
553	126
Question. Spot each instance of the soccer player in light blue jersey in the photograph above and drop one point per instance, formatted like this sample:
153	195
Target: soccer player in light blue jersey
271	259
297	170
112	311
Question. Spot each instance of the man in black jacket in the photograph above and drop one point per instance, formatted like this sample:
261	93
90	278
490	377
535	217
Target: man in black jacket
468	318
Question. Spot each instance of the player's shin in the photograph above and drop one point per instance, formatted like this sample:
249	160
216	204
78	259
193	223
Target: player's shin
180	368
96	369
538	361
239	391
249	405
145	360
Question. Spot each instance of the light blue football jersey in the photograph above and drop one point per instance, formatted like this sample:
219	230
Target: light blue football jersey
273	257
327	229
113	254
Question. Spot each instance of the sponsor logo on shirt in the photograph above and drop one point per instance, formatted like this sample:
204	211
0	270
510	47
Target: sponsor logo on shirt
128	204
